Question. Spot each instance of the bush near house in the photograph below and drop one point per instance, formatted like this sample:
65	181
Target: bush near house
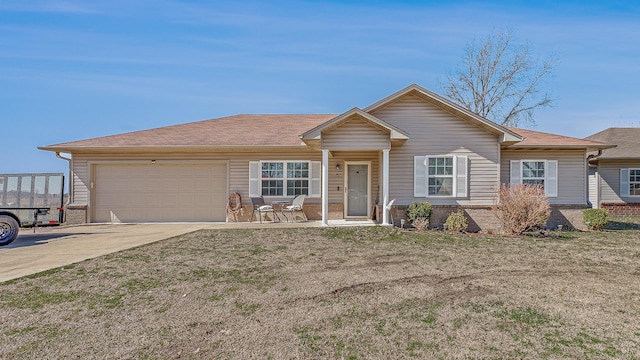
419	214
521	207
595	219
456	221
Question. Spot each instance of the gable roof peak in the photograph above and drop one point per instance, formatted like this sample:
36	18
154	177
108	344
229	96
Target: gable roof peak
506	134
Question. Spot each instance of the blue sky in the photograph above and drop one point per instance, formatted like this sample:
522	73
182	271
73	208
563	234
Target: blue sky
72	70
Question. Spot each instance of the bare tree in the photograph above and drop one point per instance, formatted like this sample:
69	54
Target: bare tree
499	80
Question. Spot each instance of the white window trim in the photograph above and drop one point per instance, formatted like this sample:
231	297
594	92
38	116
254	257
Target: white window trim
255	178
544	178
453	175
460	186
284	177
550	183
629	182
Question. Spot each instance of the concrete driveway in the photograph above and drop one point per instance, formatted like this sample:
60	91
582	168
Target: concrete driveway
52	247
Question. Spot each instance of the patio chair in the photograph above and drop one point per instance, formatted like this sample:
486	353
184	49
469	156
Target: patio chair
388	208
260	208
296	205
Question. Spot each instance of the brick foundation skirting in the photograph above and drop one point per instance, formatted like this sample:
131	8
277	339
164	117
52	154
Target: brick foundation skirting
75	214
482	218
618	209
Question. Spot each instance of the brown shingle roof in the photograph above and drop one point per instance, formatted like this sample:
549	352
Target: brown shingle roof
627	139
237	130
264	130
537	139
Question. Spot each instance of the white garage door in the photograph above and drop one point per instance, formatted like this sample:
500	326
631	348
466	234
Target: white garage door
159	192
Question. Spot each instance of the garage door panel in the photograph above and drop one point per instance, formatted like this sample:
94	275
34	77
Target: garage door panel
171	192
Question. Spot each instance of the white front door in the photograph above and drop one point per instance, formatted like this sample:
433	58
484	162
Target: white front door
357	198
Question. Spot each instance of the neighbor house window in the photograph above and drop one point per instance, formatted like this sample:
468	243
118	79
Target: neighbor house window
440	176
634	182
285	178
537	172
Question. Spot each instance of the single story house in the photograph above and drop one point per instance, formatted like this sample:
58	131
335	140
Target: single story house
614	174
413	145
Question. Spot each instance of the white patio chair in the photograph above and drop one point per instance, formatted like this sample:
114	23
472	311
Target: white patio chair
296	205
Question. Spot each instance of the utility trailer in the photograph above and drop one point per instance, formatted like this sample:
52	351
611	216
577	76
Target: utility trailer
29	200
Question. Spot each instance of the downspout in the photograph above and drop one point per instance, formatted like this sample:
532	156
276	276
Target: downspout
592	156
70	199
597	189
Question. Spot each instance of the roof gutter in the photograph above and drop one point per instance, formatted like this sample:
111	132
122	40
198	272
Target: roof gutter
593	156
70	161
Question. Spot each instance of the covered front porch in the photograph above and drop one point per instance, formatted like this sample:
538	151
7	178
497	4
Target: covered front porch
355	164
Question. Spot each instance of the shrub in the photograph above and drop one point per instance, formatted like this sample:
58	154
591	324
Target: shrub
421	223
419	210
457	221
595	219
521	207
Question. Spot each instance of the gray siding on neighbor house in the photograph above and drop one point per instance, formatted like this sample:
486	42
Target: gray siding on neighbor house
355	134
572	172
609	171
238	167
433	131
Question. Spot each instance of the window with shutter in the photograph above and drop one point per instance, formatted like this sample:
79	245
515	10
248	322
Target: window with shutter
284	178
440	176
629	182
541	172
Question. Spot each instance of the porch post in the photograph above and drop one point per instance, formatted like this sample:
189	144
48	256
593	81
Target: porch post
325	187
385	186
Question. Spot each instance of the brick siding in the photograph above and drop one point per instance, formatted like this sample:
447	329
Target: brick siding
617	209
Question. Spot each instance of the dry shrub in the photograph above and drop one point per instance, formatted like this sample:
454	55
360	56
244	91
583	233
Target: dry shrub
521	207
421	223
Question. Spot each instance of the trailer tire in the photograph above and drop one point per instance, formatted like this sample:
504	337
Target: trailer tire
8	229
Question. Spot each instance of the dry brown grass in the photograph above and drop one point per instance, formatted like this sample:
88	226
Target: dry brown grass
354	293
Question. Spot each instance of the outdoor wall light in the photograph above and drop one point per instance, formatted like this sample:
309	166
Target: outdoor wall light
337	166
153	161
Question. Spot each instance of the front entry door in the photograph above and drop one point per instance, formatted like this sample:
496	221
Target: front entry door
357	198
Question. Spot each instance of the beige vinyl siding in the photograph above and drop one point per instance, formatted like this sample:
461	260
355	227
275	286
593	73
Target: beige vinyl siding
336	177
609	171
80	181
433	131
355	134
572	172
238	167
593	187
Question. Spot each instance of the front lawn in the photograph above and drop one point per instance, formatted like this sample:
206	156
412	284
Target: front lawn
353	293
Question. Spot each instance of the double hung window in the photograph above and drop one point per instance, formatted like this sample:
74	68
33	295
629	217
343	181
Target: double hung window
277	178
537	172
284	178
533	172
440	176
629	182
634	182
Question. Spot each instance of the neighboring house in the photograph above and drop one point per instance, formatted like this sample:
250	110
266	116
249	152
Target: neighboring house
614	174
410	146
